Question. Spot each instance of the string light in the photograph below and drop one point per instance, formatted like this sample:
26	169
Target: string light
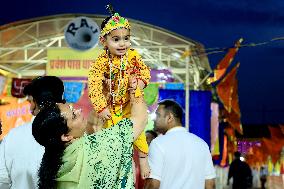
215	50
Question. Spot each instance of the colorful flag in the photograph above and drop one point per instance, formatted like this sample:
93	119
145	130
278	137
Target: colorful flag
223	65
235	99
225	89
234	121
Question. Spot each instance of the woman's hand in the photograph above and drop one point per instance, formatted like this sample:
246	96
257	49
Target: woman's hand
133	83
141	84
105	114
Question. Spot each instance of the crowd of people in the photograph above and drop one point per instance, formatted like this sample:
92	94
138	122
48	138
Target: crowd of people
56	151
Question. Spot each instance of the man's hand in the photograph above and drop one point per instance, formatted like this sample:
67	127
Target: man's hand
152	184
210	183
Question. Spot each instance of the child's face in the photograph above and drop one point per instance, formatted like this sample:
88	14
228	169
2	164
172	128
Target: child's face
118	41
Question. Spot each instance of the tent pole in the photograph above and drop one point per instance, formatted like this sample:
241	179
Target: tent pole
187	91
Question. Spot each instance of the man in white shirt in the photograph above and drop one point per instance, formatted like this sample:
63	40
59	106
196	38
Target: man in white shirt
178	159
20	154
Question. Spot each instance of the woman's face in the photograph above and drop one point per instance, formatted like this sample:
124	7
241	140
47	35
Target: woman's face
34	109
75	120
118	41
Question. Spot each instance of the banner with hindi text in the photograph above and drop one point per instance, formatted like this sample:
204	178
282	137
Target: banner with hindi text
65	62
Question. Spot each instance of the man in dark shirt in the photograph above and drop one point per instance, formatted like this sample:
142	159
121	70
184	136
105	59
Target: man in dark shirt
241	173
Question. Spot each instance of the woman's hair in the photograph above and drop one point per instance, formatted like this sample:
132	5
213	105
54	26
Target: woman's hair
47	129
53	89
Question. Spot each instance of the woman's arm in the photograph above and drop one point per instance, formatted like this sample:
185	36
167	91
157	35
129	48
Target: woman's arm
139	115
94	123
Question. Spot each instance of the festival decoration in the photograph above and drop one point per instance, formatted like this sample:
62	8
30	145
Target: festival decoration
18	86
223	65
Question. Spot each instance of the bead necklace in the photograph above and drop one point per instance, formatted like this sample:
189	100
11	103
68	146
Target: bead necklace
120	82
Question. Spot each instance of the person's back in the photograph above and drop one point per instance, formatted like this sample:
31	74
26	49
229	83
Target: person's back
178	159
241	173
185	158
20	154
20	159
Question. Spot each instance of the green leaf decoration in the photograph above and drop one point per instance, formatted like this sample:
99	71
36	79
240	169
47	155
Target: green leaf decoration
151	93
121	20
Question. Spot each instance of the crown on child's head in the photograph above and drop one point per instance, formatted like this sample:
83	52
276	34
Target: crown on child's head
115	22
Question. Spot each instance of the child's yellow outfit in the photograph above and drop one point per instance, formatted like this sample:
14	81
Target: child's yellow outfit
118	69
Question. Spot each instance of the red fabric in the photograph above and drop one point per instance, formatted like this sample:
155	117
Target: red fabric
18	86
226	86
235	99
274	148
223	65
229	131
276	133
234	121
139	184
84	103
225	153
256	156
226	61
227	91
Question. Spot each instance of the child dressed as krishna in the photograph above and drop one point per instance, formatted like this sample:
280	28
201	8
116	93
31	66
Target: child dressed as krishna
117	64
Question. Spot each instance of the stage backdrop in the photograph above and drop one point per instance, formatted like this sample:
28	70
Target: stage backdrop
200	113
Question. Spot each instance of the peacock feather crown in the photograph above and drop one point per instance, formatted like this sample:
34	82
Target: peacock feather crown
115	22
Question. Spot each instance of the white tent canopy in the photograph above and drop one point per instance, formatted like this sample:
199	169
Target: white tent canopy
23	47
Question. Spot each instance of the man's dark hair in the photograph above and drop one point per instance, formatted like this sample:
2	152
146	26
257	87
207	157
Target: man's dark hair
237	154
173	107
153	133
45	88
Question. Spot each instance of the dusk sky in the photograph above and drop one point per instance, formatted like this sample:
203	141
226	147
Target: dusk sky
210	22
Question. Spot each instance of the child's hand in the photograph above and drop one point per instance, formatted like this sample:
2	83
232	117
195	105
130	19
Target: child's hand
132	84
106	82
105	114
